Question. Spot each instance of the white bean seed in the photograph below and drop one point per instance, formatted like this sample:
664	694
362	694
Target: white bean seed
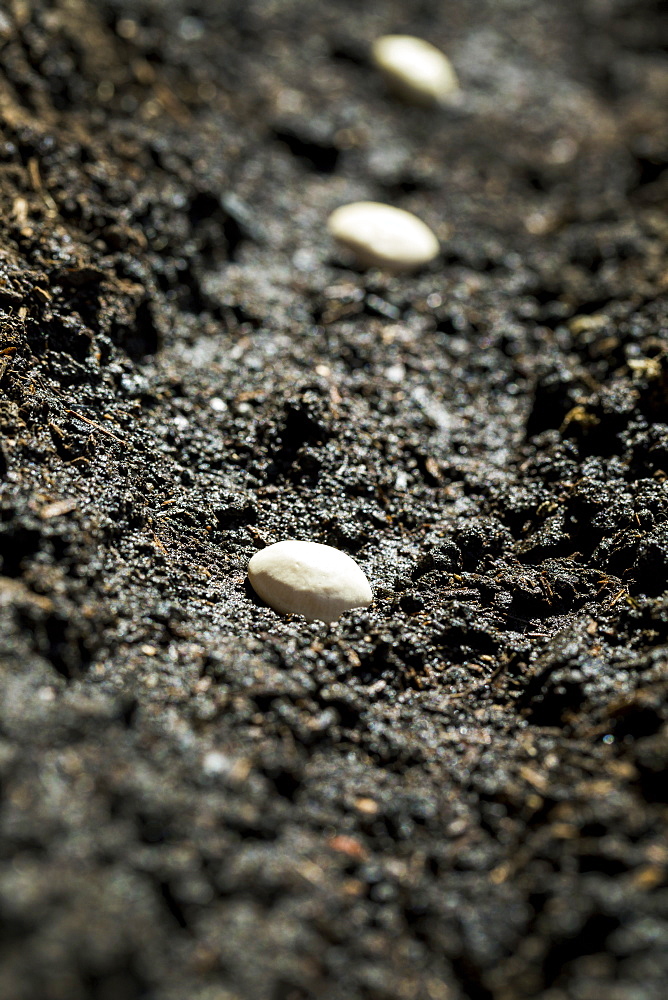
415	69
309	579
383	236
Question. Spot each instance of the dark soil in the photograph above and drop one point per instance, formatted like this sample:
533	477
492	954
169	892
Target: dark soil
460	793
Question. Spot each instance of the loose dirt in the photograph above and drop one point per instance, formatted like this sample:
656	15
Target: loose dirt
458	793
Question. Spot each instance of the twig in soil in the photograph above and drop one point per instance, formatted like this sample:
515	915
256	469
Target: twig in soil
617	596
99	427
38	187
160	545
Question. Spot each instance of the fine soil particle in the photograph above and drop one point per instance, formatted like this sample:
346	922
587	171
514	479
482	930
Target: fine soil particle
458	793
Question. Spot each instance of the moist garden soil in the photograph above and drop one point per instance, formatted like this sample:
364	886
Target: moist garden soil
458	793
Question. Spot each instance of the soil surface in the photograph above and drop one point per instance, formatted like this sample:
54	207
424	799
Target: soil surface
460	792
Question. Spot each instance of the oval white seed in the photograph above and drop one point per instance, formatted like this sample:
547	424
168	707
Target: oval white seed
415	69
383	236
308	579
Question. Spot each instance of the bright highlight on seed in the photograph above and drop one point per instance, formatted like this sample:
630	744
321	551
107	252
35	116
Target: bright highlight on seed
415	69
308	579
383	236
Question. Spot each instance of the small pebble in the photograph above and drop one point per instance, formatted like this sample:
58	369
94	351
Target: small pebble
308	579
383	236
415	69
